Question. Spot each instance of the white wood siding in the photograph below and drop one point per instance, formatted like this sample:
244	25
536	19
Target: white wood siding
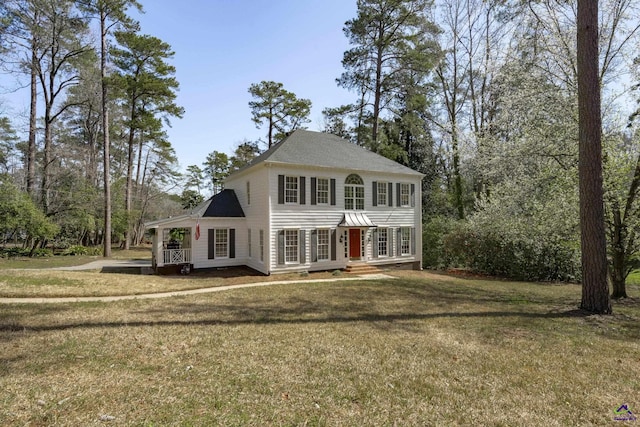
256	213
307	217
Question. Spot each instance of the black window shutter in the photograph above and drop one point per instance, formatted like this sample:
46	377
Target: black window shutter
374	192
413	241
314	245
211	244
281	189
281	247
313	190
413	195
303	192
375	243
333	192
390	195
232	243
303	247
398	198
398	242
333	245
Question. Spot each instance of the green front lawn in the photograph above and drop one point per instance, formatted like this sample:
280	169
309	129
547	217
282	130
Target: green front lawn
418	350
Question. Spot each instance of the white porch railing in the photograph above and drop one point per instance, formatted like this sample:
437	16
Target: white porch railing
176	256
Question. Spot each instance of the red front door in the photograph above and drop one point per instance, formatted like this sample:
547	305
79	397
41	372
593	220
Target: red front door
354	243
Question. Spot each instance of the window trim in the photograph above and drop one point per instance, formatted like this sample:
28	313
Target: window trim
216	242
326	192
355	183
382	185
327	244
291	192
385	240
405	239
287	259
403	186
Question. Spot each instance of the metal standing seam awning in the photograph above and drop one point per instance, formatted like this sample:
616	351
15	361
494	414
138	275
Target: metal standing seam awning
356	219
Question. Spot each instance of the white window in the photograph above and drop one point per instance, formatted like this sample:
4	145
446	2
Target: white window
354	193
322	191
291	189
261	245
405	242
323	245
249	241
383	241
221	243
248	193
382	193
405	195
291	246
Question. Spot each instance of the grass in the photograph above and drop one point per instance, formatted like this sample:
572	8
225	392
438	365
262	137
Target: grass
49	284
418	350
68	261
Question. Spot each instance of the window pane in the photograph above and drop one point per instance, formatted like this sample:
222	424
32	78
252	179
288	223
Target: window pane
382	193
322	191
382	242
291	189
291	246
323	245
221	245
406	241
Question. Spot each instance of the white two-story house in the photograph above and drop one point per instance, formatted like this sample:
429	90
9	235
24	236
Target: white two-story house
312	202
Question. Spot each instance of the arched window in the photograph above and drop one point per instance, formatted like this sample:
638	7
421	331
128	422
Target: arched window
354	193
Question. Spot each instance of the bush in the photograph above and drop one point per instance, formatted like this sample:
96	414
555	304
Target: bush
434	232
518	255
75	250
41	252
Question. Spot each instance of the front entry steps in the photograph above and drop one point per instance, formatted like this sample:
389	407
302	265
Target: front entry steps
360	269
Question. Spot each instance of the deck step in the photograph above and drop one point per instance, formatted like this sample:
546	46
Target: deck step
362	269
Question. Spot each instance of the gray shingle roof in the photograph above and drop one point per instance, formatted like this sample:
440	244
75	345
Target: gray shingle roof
309	148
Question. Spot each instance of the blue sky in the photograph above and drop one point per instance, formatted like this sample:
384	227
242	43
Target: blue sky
223	46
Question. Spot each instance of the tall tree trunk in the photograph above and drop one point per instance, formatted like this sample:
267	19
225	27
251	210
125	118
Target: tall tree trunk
33	116
377	94
617	271
106	160
129	188
595	290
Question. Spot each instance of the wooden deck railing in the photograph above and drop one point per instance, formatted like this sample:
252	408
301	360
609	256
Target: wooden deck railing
176	256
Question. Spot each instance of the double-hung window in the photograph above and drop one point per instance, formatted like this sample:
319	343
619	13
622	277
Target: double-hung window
291	189
322	191
323	244
382	193
221	243
383	241
405	241
405	195
291	246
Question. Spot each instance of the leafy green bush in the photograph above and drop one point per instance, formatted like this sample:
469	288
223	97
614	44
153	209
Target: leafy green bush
42	252
76	250
434	232
14	252
519	254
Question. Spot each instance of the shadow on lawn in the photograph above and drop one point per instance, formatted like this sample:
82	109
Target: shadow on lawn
382	304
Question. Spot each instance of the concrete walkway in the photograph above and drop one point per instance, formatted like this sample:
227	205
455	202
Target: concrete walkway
176	293
102	263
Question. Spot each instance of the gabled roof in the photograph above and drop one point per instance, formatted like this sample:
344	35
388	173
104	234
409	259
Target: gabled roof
309	148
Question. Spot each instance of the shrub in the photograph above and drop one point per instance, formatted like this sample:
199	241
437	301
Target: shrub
42	252
76	250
